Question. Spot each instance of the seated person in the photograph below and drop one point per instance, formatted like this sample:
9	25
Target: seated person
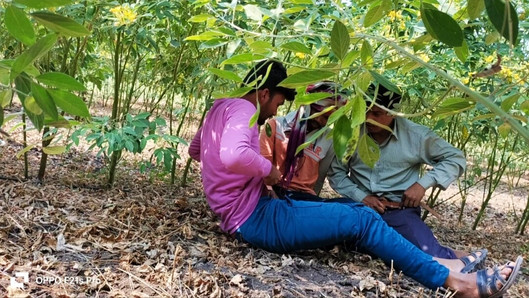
395	177
235	175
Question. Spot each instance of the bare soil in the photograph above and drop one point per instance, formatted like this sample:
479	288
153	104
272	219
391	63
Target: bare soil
147	238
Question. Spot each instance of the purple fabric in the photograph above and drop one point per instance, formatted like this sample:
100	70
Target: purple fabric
409	224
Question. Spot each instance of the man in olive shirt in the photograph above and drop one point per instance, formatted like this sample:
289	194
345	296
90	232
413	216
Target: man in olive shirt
396	175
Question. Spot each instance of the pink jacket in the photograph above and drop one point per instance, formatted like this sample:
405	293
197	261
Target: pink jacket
231	164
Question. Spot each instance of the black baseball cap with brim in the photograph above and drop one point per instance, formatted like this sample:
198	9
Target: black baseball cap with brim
384	96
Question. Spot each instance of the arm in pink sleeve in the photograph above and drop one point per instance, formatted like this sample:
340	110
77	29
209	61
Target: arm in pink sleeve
236	152
194	147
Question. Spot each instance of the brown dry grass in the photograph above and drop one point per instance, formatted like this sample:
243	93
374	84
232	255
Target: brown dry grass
145	238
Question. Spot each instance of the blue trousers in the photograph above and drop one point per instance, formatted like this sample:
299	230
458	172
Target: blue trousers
286	225
409	224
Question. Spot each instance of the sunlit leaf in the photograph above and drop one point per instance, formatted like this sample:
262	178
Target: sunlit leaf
225	74
462	52
525	107
54	150
306	77
60	24
504	129
21	152
376	12
30	104
340	40
368	150
307	99
504	18
200	18
452	106
243	58
475	8
366	54
5	97
19	26
253	12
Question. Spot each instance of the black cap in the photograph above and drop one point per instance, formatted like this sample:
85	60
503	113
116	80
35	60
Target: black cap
276	75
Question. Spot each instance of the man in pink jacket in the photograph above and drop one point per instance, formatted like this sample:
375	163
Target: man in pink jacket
235	175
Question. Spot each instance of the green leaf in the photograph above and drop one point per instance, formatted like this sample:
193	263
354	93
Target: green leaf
492	37
44	101
44	3
23	151
462	52
5	97
504	18
296	47
255	116
54	150
307	99
60	80
366	54
376	12
37	50
340	136
442	27
305	77
504	130
200	18
242	58
358	109
19	26
368	150
31	105
385	82
340	40
525	107
507	103
69	103
60	24
452	106
311	139
475	8
225	74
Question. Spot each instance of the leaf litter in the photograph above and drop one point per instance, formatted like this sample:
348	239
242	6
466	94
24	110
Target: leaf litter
146	238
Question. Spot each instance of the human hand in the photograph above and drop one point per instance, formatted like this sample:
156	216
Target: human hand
274	177
413	195
375	203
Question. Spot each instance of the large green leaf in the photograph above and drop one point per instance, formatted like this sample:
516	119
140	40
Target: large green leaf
366	54
508	102
475	8
69	103
44	3
504	18
368	150
44	100
376	12
340	40
225	74
441	26
60	24
37	50
60	80
297	47
340	136
358	111
306	77
462	52
452	106
54	150
19	26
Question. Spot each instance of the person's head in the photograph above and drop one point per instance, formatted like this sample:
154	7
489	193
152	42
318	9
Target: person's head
268	93
385	98
336	98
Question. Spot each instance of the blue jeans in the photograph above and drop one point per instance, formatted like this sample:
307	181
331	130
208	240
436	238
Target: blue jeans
286	225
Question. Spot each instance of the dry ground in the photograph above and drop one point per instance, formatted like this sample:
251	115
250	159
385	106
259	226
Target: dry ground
146	238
